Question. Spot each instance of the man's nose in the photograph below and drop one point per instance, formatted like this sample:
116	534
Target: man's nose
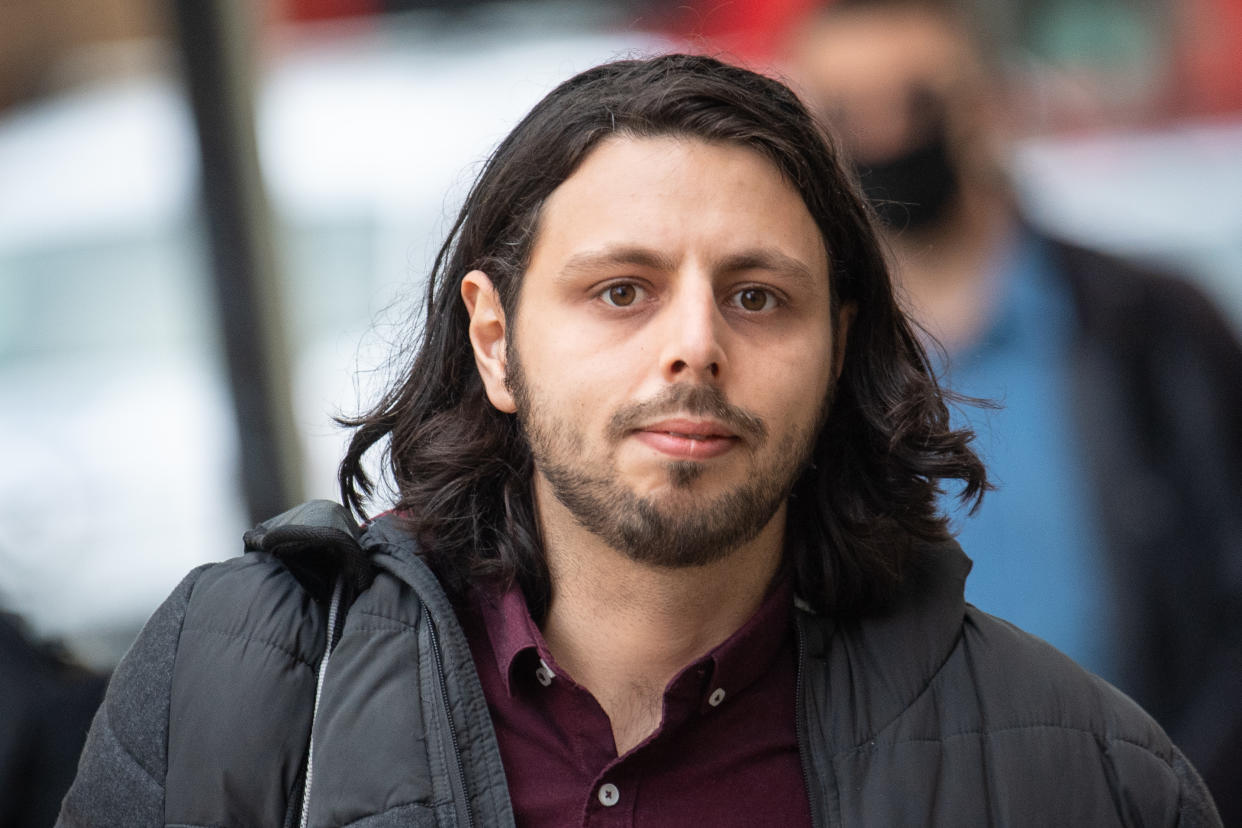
693	331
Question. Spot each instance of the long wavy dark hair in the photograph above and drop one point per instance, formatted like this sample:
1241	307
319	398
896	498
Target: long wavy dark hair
463	469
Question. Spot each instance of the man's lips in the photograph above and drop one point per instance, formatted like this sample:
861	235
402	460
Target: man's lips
687	439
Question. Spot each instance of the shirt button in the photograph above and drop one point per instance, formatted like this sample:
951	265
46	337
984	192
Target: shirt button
544	674
716	697
609	795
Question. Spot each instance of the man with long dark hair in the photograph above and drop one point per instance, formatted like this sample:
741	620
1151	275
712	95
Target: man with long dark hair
665	547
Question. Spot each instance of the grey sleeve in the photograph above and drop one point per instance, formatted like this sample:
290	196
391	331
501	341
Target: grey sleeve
120	779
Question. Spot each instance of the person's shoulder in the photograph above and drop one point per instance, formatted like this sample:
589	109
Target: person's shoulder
254	596
984	719
279	591
1019	681
1019	691
1112	291
250	597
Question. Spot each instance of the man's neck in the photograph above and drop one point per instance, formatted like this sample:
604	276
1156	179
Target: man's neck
624	630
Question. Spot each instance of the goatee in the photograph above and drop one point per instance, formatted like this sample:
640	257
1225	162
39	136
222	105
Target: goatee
677	529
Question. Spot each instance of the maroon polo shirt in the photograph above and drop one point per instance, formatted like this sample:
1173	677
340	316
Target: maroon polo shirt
725	754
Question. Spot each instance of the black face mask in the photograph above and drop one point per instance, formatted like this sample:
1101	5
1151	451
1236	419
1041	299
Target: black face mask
915	189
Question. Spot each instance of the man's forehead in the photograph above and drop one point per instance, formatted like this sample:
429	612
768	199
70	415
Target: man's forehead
736	185
643	148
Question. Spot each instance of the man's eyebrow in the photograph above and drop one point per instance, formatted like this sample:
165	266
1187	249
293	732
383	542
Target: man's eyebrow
765	258
594	260
772	260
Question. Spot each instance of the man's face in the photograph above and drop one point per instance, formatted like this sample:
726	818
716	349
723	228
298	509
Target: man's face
672	354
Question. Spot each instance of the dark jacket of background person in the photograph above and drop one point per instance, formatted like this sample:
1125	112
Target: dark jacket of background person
934	713
46	705
1158	390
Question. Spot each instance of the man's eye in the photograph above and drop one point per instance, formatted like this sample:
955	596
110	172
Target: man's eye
755	299
621	296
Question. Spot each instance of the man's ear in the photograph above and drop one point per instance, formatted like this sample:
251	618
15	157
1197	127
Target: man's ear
487	336
841	335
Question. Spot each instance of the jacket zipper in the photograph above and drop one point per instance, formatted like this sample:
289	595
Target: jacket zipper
333	613
448	715
804	746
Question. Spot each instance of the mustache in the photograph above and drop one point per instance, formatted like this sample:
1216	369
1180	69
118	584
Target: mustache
697	400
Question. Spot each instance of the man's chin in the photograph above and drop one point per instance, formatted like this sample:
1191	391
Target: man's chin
683	474
693	478
679	485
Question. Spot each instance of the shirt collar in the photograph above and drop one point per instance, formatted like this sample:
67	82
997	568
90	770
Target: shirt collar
510	629
729	668
741	659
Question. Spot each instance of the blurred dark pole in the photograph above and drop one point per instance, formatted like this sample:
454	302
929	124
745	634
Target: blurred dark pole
216	39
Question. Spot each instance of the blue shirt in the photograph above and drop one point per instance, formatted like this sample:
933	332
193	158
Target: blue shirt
1039	562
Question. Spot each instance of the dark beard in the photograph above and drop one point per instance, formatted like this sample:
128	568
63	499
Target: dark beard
680	535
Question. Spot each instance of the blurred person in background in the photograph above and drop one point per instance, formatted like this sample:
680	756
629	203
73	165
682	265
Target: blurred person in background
666	546
1116	528
46	705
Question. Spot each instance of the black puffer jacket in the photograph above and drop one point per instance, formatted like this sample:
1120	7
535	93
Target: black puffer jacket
1157	394
935	714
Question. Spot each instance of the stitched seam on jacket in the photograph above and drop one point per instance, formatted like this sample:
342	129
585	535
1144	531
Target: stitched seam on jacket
360	628
397	621
133	757
249	638
431	806
924	690
1015	728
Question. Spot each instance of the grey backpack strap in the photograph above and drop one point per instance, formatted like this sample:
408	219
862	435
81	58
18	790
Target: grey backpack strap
318	542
